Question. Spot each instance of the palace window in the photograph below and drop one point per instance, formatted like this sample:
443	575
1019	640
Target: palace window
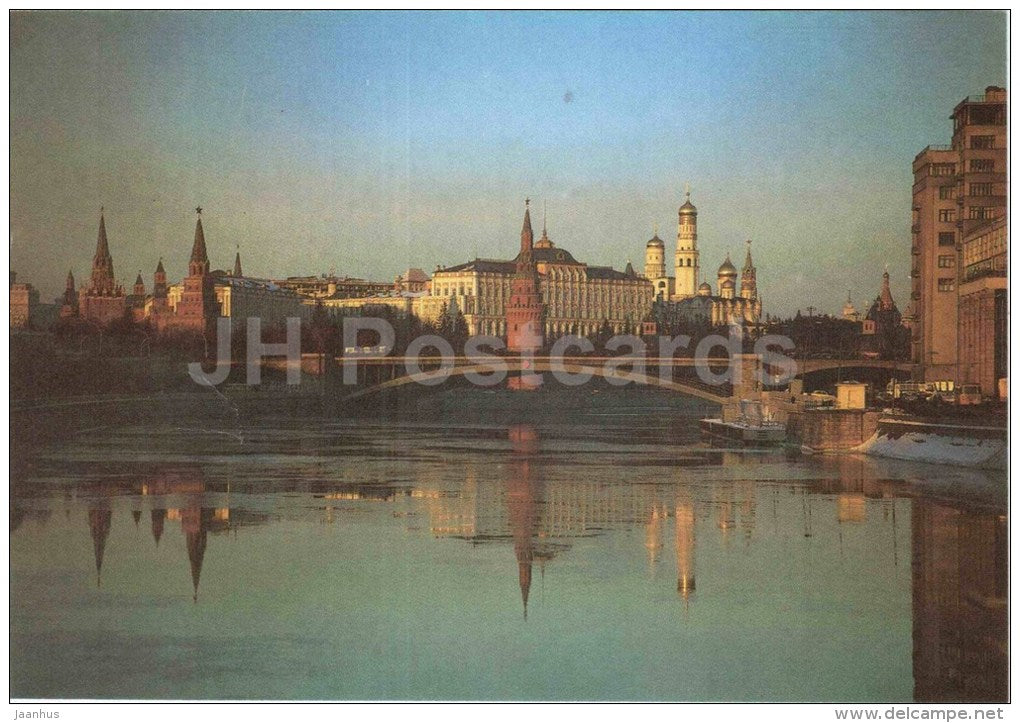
947	238
981	212
943	169
982	165
947	192
947	261
980	189
947	284
982	141
947	215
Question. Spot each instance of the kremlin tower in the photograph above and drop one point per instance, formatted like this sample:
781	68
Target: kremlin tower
103	300
524	309
70	306
197	308
748	277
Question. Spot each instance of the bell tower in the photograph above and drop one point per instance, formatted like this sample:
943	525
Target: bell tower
686	284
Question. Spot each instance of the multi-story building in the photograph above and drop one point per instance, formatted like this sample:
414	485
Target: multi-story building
24	305
957	189
984	309
332	286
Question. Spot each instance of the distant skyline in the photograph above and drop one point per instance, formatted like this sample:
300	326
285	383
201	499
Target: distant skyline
375	141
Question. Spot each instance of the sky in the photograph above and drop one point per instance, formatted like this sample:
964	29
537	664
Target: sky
370	142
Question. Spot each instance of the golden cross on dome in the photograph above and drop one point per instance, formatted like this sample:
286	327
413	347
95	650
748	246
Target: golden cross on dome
198	210
527	201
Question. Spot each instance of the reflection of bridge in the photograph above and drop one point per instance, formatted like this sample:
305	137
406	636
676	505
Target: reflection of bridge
376	374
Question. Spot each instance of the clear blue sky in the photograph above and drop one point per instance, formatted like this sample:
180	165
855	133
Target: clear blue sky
376	141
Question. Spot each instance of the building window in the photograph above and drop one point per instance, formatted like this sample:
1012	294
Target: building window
981	212
947	238
947	284
947	261
943	169
980	189
947	192
947	215
982	165
982	141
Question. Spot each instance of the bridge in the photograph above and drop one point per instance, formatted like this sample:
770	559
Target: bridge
376	374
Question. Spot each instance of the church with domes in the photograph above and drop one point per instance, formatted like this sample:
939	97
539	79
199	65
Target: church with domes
683	298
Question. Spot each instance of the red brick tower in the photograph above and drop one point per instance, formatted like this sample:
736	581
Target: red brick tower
197	308
103	300
159	282
70	306
524	310
103	282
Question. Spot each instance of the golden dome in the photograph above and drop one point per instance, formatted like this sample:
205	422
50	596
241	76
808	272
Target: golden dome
727	269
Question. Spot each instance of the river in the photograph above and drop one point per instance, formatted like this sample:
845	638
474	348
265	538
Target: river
466	544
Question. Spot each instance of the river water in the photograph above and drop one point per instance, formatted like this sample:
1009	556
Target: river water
463	544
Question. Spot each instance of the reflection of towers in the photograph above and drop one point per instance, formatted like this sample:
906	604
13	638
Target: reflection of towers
959	575
193	524
99	526
653	535
521	494
685	549
158	517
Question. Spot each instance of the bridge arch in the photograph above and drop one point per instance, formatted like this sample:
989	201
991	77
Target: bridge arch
545	366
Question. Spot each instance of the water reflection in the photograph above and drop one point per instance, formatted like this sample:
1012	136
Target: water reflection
770	546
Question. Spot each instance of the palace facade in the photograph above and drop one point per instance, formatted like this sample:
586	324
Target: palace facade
577	298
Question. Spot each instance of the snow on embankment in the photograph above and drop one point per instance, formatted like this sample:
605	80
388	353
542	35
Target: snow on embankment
965	446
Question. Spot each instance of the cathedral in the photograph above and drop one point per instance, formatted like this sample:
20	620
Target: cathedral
681	299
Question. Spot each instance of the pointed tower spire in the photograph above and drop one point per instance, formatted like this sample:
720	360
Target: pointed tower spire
885	297
527	235
198	265
139	289
102	282
749	277
159	281
102	245
545	242
237	263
